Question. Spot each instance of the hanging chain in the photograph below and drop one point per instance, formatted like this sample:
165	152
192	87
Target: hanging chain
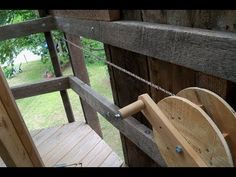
121	69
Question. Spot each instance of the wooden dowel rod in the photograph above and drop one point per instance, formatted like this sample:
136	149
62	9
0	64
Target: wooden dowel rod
131	109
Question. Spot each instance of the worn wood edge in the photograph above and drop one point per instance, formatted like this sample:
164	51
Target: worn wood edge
138	133
104	15
226	107
42	87
79	69
215	95
18	123
213	125
43	24
172	44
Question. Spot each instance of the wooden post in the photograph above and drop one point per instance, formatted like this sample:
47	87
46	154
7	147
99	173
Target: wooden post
57	70
80	71
17	148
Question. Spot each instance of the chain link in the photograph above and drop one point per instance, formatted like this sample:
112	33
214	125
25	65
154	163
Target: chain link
122	69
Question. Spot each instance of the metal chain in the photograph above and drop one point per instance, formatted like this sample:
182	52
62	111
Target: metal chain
122	69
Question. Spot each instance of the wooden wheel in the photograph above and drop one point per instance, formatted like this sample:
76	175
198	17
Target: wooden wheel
219	111
198	130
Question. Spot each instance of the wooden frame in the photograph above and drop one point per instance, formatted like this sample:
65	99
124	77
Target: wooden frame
79	70
42	87
211	52
28	27
138	133
57	70
16	145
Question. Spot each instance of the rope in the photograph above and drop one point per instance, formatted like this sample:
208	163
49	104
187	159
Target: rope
121	69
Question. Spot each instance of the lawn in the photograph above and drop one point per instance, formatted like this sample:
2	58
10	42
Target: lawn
47	110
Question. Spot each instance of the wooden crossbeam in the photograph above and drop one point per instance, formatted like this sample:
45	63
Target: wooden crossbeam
138	133
42	87
26	28
208	51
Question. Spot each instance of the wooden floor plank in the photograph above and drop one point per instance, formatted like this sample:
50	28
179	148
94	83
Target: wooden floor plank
35	132
97	155
56	138
65	147
81	149
71	144
112	161
44	134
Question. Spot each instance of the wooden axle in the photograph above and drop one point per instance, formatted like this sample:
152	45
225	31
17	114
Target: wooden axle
132	109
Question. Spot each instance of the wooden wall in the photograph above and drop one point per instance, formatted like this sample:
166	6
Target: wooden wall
170	76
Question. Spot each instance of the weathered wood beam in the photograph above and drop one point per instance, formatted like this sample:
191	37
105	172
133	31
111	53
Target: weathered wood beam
42	87
208	51
79	69
57	69
138	133
17	148
104	15
26	28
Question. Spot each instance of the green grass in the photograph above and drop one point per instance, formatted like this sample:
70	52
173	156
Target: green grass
47	110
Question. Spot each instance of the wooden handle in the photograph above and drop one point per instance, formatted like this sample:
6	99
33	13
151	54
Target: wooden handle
132	108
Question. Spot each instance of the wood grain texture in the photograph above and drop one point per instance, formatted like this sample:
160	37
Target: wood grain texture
11	149
198	130
17	147
124	95
104	15
223	20
137	132
26	28
169	137
198	49
61	149
79	69
42	87
218	110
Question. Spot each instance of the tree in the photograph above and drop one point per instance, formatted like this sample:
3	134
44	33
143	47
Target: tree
36	43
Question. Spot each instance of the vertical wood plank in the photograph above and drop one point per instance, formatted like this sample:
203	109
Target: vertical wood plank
160	71
57	70
126	90
80	71
169	76
16	145
222	20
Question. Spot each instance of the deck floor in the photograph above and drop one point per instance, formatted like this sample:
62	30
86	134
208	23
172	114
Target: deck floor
73	145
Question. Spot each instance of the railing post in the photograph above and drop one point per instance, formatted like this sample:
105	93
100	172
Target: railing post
80	71
57	70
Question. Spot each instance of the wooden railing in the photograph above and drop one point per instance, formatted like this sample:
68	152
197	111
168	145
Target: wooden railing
137	132
210	52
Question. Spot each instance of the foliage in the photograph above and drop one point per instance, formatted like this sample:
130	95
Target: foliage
9	49
94	47
36	43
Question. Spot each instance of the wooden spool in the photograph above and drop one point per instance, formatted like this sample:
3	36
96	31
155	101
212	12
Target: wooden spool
198	130
180	123
218	110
